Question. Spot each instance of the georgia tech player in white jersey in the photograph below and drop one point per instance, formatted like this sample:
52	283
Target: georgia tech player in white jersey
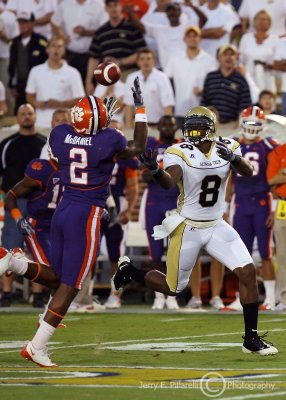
200	167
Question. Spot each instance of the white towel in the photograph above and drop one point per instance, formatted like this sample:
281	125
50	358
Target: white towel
169	224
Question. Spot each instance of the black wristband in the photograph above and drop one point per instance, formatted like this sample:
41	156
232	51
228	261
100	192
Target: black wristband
236	161
158	174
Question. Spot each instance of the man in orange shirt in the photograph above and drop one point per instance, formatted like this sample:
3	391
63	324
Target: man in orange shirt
276	176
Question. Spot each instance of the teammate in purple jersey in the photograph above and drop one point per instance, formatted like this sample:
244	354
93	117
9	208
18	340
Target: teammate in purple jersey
43	188
157	202
253	216
86	154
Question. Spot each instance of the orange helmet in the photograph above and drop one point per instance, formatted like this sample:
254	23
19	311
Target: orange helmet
252	122
89	115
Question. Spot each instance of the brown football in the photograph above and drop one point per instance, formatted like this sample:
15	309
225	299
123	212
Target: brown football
107	73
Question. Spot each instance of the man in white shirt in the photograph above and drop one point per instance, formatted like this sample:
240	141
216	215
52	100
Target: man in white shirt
280	65
53	84
188	71
276	8
42	10
216	31
157	89
77	21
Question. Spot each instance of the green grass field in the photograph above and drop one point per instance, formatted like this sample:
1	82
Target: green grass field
143	355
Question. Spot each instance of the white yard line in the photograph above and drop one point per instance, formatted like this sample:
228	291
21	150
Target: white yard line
254	396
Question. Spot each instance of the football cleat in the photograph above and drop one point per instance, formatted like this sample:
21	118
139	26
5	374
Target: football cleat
234	306
258	345
5	257
18	253
194	303
216	302
121	276
280	307
171	303
113	301
94	307
39	357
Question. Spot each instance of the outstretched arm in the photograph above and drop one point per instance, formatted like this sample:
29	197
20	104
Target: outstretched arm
167	179
137	145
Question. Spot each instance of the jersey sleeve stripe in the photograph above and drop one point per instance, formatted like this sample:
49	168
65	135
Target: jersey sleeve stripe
178	153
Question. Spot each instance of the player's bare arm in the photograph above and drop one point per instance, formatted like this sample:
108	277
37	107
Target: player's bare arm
167	179
137	145
238	163
21	189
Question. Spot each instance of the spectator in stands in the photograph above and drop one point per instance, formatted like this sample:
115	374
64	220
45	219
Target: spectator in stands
77	22
188	71
226	90
276	8
190	14
267	102
280	65
3	103
16	152
27	50
117	40
8	30
169	38
217	29
257	51
42	11
158	92
276	175
53	84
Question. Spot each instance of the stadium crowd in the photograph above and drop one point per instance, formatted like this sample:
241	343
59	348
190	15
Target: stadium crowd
224	55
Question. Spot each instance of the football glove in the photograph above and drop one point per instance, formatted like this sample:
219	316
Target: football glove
110	104
149	159
24	227
137	97
223	151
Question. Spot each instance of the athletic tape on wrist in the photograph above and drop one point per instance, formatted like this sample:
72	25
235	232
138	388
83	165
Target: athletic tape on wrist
141	118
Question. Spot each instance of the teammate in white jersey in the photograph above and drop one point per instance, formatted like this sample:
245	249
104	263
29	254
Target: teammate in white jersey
200	167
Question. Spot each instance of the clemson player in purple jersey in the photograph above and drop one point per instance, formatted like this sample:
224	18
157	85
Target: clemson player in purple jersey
253	215
124	190
157	202
86	154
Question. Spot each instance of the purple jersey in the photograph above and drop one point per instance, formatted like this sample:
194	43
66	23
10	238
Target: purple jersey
86	162
256	153
156	192
43	201
122	169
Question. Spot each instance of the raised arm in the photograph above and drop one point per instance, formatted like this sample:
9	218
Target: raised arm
137	145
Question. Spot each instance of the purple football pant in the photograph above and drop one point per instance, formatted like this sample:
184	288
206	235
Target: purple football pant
75	237
155	212
250	221
39	245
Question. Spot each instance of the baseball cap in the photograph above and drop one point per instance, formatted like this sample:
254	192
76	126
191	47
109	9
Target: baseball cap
226	47
195	29
25	15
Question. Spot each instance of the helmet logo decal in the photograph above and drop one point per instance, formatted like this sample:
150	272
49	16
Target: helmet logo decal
77	114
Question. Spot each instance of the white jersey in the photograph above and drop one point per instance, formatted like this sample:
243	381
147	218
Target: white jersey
202	187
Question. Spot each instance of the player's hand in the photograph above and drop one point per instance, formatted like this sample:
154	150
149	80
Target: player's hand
223	151
149	159
110	104
104	215
24	227
137	94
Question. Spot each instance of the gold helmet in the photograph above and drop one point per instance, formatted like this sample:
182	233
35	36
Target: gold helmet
199	125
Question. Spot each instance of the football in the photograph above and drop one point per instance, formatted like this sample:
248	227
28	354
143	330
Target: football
107	73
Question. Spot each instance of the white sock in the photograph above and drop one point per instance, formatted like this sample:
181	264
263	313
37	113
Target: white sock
42	336
18	265
159	295
270	291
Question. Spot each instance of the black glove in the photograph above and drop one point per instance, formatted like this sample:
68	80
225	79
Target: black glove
104	215
110	104
138	99
24	227
149	159
223	151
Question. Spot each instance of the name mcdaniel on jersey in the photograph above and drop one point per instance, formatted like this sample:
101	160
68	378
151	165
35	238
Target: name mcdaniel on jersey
202	187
